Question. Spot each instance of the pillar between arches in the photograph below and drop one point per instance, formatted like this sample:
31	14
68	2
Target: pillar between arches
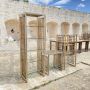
70	29
80	29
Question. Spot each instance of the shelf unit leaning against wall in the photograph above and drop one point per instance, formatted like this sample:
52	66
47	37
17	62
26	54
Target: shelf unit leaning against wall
41	42
68	45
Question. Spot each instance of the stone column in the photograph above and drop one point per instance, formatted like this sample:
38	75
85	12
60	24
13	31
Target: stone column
59	29
80	29
89	27
70	29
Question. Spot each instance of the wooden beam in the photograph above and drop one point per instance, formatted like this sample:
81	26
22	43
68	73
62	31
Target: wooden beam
23	48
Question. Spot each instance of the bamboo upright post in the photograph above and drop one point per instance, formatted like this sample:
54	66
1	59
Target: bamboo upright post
65	45
41	44
23	48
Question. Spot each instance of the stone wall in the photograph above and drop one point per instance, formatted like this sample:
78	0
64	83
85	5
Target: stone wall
9	19
10	10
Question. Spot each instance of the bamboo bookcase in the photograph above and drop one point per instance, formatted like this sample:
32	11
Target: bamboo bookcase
41	35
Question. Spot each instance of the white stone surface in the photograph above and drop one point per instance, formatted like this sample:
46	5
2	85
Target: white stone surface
11	80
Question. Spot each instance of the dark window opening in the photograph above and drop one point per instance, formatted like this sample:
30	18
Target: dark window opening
12	31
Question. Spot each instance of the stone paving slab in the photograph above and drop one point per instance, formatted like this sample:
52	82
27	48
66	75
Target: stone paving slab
79	80
35	80
54	75
86	58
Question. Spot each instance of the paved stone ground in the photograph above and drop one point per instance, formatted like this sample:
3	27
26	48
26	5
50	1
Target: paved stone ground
57	80
79	80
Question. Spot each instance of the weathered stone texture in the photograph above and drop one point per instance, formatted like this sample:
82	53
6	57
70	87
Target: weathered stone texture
56	17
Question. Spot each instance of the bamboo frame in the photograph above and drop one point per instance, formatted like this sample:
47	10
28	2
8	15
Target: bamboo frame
57	60
23	42
61	45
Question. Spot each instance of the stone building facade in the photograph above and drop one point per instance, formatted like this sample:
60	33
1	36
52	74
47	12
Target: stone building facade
58	20
74	21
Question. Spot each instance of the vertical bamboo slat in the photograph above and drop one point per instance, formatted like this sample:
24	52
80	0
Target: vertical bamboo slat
41	44
23	48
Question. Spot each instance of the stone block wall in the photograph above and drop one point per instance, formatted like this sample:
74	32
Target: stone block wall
10	11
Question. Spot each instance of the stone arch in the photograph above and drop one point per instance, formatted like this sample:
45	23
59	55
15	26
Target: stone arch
76	28
65	27
13	28
52	29
84	28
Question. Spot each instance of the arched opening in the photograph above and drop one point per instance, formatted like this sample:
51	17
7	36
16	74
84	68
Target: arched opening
13	29
64	28
52	29
76	28
84	28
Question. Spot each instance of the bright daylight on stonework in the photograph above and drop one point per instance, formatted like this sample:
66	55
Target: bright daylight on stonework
44	44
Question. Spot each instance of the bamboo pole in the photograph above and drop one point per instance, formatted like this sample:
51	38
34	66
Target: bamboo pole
23	48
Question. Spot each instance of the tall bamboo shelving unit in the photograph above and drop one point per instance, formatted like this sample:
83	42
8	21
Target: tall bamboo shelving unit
68	44
41	42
